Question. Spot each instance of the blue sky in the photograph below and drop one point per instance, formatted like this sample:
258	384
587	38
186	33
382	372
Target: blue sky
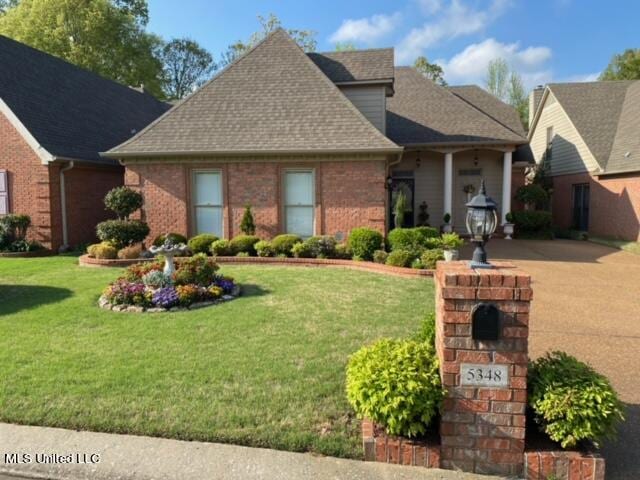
545	40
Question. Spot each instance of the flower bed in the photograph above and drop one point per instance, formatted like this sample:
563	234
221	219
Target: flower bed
146	288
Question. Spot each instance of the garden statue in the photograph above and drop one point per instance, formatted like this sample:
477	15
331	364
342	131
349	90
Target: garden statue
169	250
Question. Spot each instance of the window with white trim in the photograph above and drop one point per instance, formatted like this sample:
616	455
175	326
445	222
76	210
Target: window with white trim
207	202
299	208
4	193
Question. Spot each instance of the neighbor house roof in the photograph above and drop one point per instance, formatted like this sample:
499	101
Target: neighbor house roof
424	113
273	99
70	112
606	116
356	65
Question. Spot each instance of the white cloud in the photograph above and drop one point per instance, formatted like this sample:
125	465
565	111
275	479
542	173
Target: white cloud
470	65
366	30
584	77
455	20
429	7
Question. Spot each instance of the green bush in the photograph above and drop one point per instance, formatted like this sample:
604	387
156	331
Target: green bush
364	241
428	232
430	257
220	248
282	244
427	333
532	194
247	224
417	264
201	243
532	224
321	246
123	201
380	256
13	228
264	249
244	244
414	240
302	250
451	241
400	258
343	252
571	401
175	238
122	233
131	252
102	250
395	383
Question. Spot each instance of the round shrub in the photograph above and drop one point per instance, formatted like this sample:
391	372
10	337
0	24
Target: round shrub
364	241
220	248
123	201
282	244
131	252
532	194
430	257
414	240
244	244
321	246
532	224
396	384
571	401
380	256
302	250
400	258
175	238
343	252
201	243
102	250
264	249
122	233
428	232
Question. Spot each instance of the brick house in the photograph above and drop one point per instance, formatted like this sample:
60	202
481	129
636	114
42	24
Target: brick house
55	118
319	144
588	135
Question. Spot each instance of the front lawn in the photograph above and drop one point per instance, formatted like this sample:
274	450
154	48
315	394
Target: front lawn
266	369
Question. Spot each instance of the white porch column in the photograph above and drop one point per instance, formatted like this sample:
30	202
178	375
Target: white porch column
448	184
506	187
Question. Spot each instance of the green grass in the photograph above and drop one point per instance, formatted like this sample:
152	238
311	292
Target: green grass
631	247
266	369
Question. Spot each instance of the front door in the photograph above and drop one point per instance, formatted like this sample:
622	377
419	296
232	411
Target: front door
407	186
581	207
466	184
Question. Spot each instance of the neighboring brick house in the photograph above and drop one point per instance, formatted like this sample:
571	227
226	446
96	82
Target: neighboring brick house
55	118
588	135
318	144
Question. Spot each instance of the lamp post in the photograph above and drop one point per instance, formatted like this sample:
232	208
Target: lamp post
481	223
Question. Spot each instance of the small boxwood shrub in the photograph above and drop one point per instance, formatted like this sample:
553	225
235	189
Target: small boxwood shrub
427	232
364	241
430	257
282	244
123	201
571	401
220	248
122	233
400	258
321	246
264	249
131	252
243	244
302	250
532	224
380	256
103	250
175	238
201	243
414	240
342	252
396	384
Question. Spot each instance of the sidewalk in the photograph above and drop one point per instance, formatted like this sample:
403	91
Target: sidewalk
125	457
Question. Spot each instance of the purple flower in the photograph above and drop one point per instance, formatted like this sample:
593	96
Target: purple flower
165	297
224	284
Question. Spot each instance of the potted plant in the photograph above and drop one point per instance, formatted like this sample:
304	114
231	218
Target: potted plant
507	228
447	227
451	242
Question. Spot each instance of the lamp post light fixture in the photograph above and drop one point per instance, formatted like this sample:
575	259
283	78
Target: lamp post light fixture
481	221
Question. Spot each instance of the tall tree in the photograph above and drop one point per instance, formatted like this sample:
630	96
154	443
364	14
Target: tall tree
517	97
345	47
498	78
7	4
104	36
305	38
186	66
623	66
432	71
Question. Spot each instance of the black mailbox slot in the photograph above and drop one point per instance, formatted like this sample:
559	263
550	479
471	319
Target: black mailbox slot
485	322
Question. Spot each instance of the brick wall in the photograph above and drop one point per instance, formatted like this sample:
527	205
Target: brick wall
349	194
482	428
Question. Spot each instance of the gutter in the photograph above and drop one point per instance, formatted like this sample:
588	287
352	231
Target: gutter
63	207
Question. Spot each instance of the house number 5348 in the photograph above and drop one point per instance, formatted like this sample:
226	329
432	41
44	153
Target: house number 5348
484	375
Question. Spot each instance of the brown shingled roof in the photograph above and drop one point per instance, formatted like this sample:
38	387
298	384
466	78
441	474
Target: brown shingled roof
273	99
356	65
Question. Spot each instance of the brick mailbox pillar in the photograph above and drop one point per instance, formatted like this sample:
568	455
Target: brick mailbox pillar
482	331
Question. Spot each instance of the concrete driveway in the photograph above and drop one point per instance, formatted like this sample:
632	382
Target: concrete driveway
587	303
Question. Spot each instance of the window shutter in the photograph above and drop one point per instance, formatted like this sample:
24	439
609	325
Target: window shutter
4	193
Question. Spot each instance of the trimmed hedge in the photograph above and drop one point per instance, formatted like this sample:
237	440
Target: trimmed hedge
122	233
364	241
400	258
244	244
201	243
220	248
282	244
532	224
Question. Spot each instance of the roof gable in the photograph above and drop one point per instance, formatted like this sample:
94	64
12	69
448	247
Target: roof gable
68	111
356	65
272	99
625	152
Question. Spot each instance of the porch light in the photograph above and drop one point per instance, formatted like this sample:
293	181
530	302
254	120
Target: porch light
388	182
481	221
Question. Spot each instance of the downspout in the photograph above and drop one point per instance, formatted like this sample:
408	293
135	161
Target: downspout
63	207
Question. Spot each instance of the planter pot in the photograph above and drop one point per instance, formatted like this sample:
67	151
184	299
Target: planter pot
450	255
447	228
507	229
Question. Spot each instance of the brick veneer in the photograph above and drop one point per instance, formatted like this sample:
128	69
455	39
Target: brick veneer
349	194
482	429
544	465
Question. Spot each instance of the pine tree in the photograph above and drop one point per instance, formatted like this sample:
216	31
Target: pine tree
247	225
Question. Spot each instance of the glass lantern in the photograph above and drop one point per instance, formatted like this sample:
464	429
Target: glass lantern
481	222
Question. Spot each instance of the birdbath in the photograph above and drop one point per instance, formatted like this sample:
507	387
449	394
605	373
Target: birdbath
169	250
